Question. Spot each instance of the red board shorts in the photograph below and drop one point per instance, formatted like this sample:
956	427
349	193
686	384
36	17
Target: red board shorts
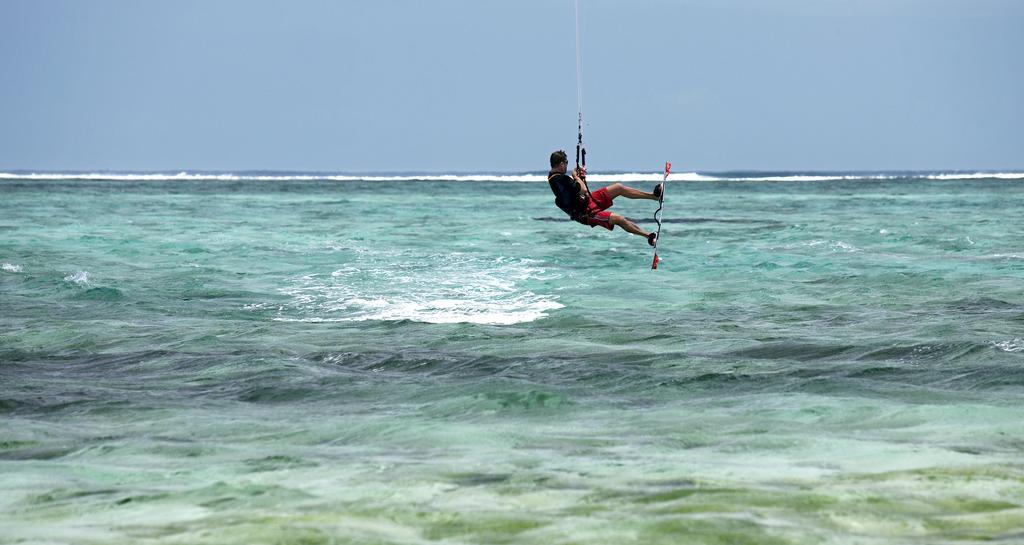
599	202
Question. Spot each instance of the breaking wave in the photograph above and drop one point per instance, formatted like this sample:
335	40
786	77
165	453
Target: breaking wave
629	177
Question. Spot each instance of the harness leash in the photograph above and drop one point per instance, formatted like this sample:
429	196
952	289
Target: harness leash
581	163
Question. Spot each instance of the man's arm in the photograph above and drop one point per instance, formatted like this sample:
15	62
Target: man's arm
580	183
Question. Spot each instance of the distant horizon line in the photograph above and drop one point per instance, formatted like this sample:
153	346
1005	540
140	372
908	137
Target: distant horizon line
467	172
681	175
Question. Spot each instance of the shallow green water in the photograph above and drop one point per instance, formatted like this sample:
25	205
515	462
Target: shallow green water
428	361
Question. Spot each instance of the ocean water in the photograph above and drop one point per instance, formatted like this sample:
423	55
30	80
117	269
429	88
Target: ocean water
309	358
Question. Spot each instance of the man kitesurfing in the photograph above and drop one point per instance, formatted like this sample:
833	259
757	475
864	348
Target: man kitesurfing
575	199
573	195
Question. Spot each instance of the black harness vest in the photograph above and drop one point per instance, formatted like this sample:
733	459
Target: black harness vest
567	195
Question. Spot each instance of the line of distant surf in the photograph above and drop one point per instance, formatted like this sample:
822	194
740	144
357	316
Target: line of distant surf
525	177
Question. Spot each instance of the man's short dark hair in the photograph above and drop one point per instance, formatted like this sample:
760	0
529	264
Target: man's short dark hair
558	158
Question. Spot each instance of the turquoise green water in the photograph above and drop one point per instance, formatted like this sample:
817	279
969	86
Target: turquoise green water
383	362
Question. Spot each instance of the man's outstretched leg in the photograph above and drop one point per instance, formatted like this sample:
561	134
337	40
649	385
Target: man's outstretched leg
631	227
617	189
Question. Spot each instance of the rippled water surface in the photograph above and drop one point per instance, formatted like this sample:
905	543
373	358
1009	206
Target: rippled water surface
402	361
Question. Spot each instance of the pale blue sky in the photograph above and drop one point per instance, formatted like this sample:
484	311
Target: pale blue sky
487	85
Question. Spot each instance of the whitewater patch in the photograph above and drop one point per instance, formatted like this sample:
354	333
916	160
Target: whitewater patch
1007	256
440	288
227	176
311	177
9	267
836	246
78	277
1012	345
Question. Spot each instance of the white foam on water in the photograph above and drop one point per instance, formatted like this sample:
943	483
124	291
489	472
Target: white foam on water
832	245
448	288
11	267
807	178
79	277
229	177
892	176
633	177
978	176
840	246
1007	256
1012	345
627	177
